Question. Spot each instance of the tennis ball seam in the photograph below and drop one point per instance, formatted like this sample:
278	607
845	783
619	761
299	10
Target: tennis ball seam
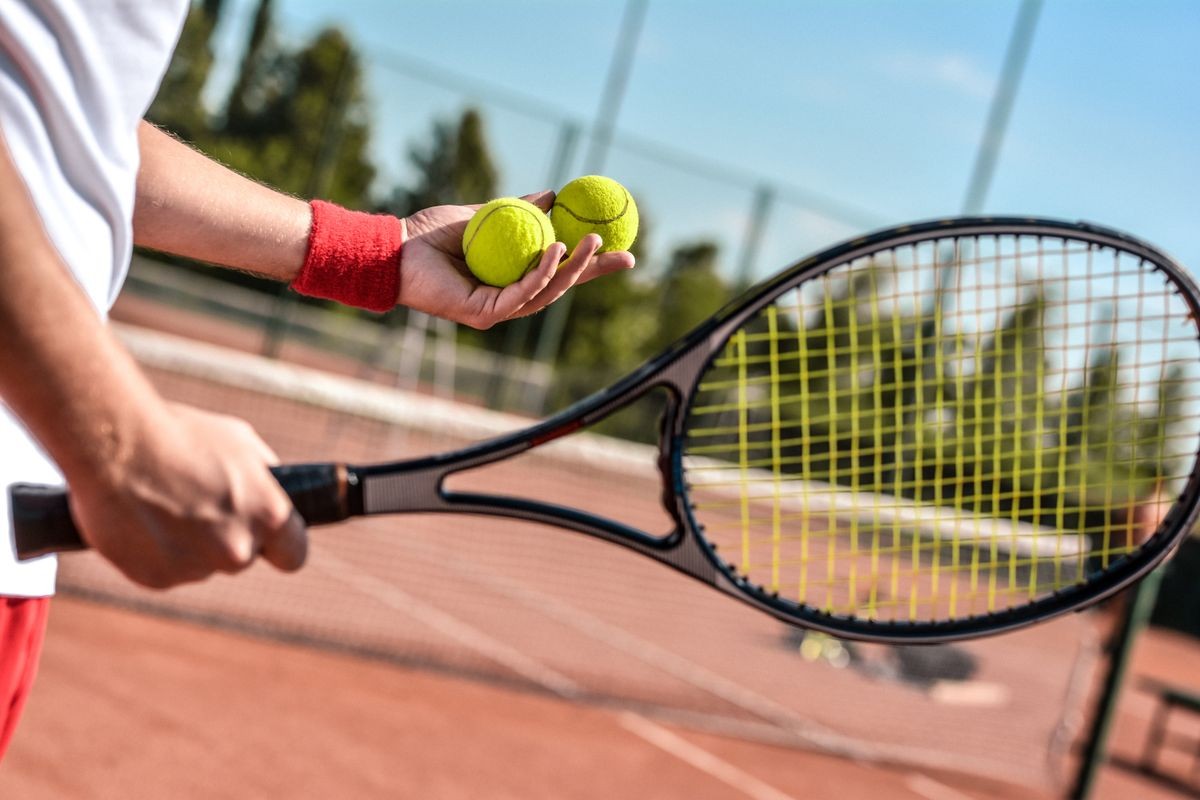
588	221
533	262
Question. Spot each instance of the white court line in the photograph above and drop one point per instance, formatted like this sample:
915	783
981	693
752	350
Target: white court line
684	669
930	789
699	758
450	626
651	653
553	681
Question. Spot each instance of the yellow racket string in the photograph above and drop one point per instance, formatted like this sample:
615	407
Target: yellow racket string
947	429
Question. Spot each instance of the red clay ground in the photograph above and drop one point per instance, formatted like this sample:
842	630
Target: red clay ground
132	706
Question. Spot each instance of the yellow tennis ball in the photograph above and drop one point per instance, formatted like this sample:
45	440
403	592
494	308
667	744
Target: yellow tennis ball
595	204
505	239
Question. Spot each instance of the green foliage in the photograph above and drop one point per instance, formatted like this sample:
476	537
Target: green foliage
296	120
475	177
299	122
690	291
251	89
610	322
849	393
621	320
454	166
178	105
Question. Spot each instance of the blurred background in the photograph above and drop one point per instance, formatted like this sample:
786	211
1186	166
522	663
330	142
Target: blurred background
751	134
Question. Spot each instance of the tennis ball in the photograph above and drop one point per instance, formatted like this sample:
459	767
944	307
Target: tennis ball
505	239
595	204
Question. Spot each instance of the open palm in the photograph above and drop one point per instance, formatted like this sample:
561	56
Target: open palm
434	277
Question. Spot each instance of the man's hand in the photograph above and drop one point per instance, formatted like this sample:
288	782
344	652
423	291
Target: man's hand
191	206
187	495
434	277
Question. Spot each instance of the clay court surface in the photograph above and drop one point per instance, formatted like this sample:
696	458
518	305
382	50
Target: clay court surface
134	706
130	706
451	657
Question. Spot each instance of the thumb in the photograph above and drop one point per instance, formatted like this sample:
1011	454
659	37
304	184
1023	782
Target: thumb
286	546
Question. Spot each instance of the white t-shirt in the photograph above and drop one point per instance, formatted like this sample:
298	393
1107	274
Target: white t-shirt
76	77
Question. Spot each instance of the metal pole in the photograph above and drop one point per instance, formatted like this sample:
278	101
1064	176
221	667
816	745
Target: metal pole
1002	103
614	87
564	154
517	333
1139	603
601	136
764	198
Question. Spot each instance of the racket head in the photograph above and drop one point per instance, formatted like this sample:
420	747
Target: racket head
939	507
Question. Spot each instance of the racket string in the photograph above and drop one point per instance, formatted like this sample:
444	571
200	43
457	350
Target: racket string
947	429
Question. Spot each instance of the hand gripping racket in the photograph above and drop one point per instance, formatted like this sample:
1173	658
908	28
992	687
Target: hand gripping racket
933	432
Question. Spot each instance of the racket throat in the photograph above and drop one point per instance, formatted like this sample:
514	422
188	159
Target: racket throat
397	492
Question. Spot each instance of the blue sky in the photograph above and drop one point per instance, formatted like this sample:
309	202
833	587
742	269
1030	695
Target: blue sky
878	106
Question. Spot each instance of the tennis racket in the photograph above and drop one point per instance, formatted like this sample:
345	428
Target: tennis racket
933	432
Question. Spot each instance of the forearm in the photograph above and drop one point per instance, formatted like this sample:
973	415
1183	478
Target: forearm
63	373
189	205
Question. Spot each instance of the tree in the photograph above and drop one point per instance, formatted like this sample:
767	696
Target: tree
691	290
178	106
301	123
245	100
454	166
604	336
619	320
475	177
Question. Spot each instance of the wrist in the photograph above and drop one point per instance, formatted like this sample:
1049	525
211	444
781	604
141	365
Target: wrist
352	257
109	449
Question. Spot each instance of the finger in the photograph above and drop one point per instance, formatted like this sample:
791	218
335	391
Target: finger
567	276
617	260
244	432
286	546
269	456
543	199
606	264
235	550
511	298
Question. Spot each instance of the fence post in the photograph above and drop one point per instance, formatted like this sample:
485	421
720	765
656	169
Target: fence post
760	209
517	332
601	140
1138	605
1002	103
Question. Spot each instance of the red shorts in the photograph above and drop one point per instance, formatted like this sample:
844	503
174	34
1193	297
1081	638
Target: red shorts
22	626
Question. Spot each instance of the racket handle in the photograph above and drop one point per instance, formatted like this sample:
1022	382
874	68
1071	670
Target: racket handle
322	493
42	522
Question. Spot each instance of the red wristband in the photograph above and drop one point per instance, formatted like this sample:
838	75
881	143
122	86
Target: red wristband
353	257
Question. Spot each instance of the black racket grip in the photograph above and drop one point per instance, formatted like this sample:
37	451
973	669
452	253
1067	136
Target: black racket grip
322	493
42	522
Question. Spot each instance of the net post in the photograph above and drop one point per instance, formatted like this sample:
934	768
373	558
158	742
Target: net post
1135	616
